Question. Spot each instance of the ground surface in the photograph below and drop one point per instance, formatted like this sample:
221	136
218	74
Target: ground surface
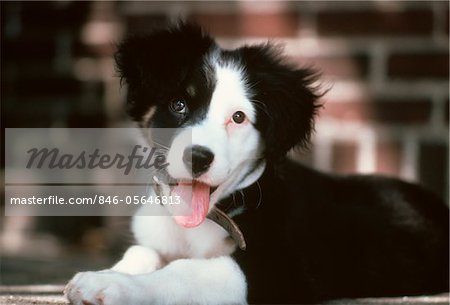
22	278
52	295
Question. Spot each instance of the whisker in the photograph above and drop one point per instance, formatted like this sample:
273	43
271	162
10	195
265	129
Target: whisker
162	145
231	203
243	197
260	194
261	106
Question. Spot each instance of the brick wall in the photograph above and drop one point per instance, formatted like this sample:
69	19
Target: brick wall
385	62
57	71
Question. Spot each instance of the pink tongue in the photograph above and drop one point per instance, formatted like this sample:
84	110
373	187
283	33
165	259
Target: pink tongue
196	197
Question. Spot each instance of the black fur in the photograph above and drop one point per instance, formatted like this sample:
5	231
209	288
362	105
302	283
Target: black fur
283	95
158	68
313	237
310	236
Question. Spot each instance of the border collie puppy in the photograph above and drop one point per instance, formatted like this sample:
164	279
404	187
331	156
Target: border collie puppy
261	229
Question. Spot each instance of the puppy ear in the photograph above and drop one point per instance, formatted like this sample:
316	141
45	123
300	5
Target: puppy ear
284	97
161	59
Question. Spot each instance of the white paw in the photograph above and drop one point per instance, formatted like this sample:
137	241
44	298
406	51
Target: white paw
103	288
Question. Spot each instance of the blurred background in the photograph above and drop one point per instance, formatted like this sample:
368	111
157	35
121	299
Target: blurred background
387	111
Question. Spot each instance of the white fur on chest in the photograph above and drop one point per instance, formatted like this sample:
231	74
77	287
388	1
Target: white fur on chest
171	241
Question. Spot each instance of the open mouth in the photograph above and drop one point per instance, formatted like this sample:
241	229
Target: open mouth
194	197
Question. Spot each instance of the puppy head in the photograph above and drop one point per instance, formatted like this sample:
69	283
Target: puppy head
233	109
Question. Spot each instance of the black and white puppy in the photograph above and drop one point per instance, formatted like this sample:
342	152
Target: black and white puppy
309	236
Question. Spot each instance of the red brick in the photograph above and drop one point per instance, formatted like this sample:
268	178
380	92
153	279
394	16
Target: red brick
413	66
87	120
145	23
18	50
344	157
47	86
42	18
28	119
353	23
101	50
389	157
381	111
433	166
338	67
249	24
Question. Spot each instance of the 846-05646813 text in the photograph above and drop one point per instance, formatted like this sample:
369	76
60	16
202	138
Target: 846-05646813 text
97	199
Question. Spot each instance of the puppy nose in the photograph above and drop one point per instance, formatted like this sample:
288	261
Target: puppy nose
197	159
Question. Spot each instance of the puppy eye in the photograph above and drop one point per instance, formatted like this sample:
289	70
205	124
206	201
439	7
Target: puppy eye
178	106
238	117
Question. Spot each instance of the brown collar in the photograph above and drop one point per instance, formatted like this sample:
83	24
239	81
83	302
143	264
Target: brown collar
223	220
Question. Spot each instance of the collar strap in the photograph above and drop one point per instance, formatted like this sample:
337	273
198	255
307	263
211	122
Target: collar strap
223	220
